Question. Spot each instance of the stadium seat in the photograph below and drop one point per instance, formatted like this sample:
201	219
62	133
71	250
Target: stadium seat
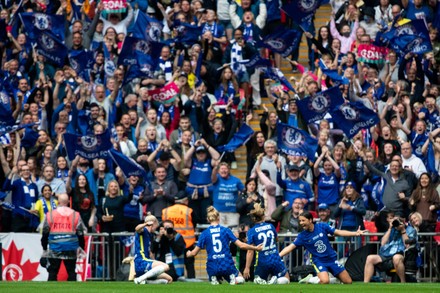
437	230
371	227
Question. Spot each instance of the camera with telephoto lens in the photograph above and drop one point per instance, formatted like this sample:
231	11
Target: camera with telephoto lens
396	223
170	231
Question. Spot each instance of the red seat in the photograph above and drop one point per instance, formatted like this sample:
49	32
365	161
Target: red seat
371	227
437	230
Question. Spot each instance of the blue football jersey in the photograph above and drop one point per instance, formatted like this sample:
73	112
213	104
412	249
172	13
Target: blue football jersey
265	233
317	242
216	240
142	245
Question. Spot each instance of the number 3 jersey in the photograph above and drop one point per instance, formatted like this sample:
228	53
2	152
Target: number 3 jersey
216	240
265	233
317	242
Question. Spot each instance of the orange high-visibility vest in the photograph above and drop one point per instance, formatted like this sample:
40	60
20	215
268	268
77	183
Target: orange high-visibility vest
180	215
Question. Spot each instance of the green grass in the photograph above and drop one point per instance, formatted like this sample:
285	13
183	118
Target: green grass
125	287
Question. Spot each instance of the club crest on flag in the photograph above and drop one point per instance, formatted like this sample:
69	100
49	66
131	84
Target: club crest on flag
143	47
74	64
293	138
42	21
405	29
89	143
46	42
153	31
308	5
4	99
349	113
319	103
276	44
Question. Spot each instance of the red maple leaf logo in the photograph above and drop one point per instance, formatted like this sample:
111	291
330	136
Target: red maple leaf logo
13	270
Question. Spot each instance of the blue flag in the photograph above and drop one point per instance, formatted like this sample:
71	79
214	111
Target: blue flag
282	41
333	74
7	121
128	166
430	163
240	138
296	142
277	75
82	61
411	37
35	22
88	146
257	61
352	117
316	107
187	34
139	52
145	28
30	137
302	11
51	48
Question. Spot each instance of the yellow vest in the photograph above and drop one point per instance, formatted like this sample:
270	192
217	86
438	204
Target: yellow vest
180	215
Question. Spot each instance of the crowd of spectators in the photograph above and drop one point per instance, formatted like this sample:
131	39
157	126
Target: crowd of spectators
382	168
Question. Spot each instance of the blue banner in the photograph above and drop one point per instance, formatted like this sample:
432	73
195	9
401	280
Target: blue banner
352	117
187	34
316	107
282	41
82	61
277	75
240	138
302	11
136	51
88	146
7	121
333	74
411	37
296	142
51	48
257	61
145	28
34	22
30	137
128	166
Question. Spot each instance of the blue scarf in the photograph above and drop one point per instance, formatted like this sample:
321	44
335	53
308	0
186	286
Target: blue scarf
45	207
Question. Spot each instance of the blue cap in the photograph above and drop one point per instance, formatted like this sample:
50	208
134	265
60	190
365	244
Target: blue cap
323	206
350	183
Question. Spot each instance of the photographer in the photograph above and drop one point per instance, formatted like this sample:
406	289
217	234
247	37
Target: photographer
393	245
168	247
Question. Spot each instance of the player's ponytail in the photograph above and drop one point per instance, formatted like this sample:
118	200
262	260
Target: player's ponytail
257	214
212	214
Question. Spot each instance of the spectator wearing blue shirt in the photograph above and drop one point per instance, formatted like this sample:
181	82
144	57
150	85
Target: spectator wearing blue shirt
314	238
391	252
294	187
328	181
416	9
225	195
24	195
216	240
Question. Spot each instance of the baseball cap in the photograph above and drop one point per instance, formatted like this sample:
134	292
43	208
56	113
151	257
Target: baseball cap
293	168
350	183
323	206
200	148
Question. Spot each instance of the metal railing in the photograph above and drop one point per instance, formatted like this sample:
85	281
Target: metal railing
108	251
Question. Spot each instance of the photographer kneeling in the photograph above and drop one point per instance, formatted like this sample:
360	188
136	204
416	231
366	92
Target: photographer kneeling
391	253
169	247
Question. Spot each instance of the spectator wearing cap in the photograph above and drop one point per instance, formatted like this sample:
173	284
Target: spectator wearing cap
199	186
324	215
225	195
350	211
167	157
161	194
368	23
294	187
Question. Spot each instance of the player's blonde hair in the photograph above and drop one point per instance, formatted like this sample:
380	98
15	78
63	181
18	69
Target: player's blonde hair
257	214
151	218
212	214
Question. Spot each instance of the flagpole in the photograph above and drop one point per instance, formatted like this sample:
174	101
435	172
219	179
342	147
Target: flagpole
221	157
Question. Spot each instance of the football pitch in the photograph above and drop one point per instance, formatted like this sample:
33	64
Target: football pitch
179	287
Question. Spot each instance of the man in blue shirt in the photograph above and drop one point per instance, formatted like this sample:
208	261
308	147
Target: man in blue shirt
392	249
314	238
294	187
226	189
